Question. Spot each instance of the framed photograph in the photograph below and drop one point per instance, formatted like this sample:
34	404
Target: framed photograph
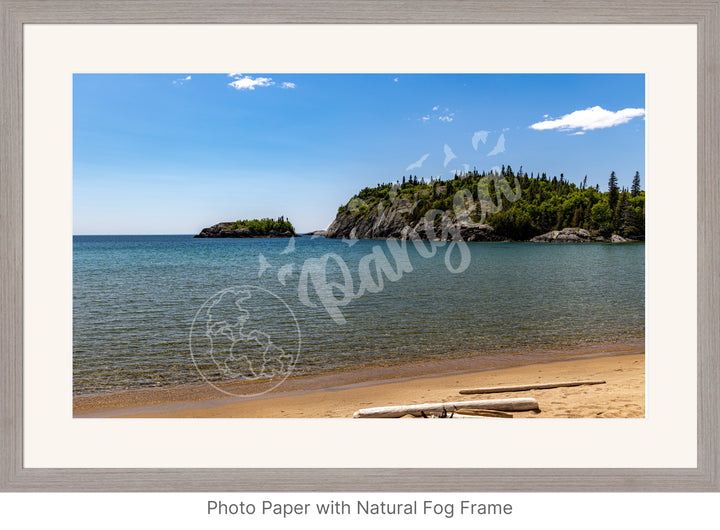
252	248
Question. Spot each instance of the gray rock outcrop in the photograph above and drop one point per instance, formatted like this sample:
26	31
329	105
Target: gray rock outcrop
576	235
566	235
394	222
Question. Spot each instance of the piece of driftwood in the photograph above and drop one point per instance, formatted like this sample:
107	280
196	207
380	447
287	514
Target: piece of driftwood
520	388
397	411
484	412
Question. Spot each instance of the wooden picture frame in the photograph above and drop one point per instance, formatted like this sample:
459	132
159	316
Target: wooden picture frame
14	14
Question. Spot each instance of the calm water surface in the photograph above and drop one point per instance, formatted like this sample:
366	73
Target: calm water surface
137	298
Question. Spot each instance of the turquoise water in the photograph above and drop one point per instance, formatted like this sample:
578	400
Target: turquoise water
141	319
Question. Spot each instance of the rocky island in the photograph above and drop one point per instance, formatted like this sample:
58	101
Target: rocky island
251	228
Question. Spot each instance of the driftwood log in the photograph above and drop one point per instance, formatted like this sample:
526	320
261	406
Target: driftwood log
520	388
398	411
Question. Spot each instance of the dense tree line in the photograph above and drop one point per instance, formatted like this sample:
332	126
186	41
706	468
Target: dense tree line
264	226
518	205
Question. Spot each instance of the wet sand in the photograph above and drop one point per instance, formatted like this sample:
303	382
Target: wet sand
339	395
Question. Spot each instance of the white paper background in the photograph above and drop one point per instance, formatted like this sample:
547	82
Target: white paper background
665	438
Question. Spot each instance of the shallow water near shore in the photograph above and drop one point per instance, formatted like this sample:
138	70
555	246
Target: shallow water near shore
138	300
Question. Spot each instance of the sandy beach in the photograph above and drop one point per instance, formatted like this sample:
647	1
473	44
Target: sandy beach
339	395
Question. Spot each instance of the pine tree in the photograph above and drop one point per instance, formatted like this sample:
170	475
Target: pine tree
635	189
614	191
623	222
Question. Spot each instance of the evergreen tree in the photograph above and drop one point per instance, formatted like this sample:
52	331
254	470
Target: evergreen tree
622	216
614	191
635	189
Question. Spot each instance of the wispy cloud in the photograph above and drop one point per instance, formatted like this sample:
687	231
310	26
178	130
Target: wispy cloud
287	84
576	133
449	155
418	163
425	118
436	107
182	81
447	118
589	119
249	83
479	136
499	146
395	79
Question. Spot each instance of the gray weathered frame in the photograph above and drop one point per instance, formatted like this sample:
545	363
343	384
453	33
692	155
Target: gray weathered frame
705	14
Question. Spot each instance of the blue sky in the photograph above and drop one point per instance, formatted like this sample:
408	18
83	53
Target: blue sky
173	153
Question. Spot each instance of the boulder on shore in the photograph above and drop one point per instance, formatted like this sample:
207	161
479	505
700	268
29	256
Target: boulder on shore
576	235
566	235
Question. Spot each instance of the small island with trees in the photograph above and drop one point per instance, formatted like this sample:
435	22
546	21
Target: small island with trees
265	227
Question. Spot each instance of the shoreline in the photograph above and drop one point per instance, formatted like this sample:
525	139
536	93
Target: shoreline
334	394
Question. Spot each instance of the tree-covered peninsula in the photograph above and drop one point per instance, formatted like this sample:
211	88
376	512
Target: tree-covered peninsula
495	206
265	227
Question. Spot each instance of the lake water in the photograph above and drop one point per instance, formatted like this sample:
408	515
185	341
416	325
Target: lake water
148	311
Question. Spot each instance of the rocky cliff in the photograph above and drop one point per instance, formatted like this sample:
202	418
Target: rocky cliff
396	221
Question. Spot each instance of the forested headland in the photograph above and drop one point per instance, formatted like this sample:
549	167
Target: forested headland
515	205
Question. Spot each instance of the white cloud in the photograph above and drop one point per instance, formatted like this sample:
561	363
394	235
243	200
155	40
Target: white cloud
288	85
449	155
499	146
506	129
589	119
248	83
234	75
425	118
576	133
418	163
436	107
479	136
447	118
395	79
